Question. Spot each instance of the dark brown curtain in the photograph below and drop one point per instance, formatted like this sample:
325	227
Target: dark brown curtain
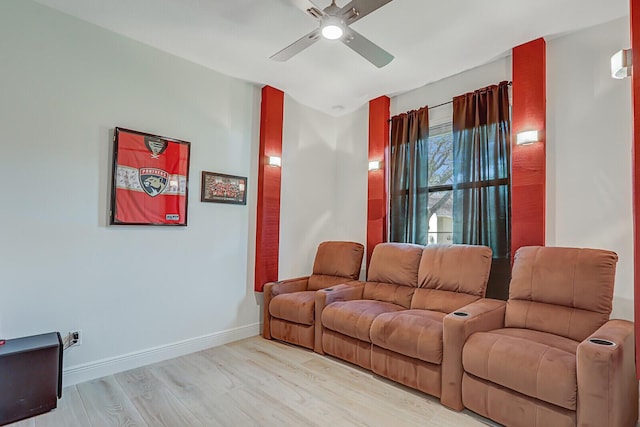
408	183
481	171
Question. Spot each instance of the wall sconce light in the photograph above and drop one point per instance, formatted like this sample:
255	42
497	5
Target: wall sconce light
275	161
374	165
621	63
527	137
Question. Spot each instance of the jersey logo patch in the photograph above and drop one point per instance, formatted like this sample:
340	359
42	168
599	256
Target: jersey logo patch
153	181
156	146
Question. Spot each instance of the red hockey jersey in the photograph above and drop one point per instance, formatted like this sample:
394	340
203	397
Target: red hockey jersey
150	180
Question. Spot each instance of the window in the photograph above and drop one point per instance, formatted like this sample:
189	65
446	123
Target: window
440	184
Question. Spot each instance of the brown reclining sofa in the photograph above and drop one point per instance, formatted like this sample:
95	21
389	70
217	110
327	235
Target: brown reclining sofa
549	356
393	323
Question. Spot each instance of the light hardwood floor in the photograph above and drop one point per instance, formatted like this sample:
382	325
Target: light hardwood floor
253	382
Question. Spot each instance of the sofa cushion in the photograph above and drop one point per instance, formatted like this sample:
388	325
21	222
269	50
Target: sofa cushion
395	294
555	319
395	263
321	281
540	365
564	291
338	260
456	268
442	301
413	333
354	318
297	307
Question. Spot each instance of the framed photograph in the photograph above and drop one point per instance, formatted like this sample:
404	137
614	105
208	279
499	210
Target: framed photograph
150	179
221	188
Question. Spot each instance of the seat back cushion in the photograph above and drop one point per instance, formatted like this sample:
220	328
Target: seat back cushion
442	301
451	276
387	292
319	281
393	273
335	262
395	263
563	291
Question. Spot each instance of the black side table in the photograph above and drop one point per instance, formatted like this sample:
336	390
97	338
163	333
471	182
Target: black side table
30	376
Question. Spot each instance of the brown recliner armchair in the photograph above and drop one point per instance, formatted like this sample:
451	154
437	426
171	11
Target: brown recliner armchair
556	359
289	305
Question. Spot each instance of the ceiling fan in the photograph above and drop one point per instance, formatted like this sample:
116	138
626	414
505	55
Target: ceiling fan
334	25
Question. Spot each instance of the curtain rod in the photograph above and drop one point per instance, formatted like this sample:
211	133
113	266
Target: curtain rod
450	102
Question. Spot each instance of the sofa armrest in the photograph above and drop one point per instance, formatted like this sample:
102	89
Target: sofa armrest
482	315
273	289
344	292
298	284
606	371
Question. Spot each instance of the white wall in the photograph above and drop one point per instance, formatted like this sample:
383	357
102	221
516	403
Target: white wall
589	137
324	183
588	142
352	164
138	293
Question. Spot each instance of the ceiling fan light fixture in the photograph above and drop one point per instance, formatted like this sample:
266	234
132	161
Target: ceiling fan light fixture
332	27
332	31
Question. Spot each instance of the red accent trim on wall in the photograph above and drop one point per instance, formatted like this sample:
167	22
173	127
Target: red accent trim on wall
268	210
528	162
635	148
376	191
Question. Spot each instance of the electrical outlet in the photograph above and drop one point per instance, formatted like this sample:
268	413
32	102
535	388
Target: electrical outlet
75	337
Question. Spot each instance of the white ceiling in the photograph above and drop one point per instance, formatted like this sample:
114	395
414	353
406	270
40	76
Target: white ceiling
430	39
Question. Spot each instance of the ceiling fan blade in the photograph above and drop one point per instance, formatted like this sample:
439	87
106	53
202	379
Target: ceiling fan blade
366	48
297	46
357	9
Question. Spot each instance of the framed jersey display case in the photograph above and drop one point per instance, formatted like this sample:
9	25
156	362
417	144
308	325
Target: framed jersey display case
150	179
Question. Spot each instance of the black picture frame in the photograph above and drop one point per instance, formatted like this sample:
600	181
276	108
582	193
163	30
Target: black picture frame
223	188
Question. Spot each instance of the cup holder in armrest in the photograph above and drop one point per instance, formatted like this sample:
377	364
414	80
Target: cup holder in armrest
600	341
460	314
327	289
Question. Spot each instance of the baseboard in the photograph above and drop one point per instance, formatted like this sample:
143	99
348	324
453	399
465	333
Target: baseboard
100	368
